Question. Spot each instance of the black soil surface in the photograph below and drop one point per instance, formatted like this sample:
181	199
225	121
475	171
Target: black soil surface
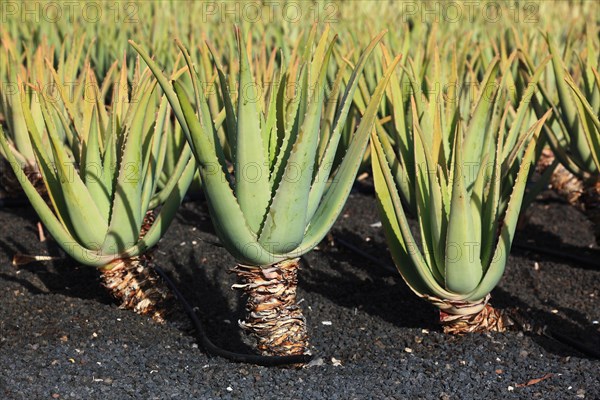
62	337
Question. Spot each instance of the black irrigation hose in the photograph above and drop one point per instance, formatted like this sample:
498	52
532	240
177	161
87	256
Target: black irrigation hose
211	348
558	254
559	337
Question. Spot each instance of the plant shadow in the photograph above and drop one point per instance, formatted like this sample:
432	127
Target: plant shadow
204	288
61	275
353	281
577	327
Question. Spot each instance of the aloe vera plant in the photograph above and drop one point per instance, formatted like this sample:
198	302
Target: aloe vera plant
16	92
463	176
574	134
282	196
102	187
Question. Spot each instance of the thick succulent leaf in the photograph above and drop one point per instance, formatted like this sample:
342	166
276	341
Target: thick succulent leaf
252	187
228	219
327	162
127	215
490	218
428	220
339	189
409	260
88	223
168	211
463	266
287	216
156	153
16	119
496	269
58	231
231	119
327	121
579	144
589	121
287	117
514	139
474	138
402	172
92	169
166	87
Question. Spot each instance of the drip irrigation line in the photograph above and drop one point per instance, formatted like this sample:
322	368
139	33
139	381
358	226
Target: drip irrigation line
558	254
211	348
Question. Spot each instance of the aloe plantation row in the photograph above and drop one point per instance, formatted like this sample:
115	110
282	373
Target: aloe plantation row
458	129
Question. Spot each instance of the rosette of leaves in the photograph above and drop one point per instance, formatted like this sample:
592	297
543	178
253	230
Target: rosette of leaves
282	195
102	185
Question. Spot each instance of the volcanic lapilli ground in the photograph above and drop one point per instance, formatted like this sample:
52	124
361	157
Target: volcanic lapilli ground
61	336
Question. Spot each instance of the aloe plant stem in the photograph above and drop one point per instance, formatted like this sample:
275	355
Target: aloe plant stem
460	317
273	316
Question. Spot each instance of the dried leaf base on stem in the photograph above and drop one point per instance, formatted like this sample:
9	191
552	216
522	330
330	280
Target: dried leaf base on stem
273	317
134	283
563	182
591	205
459	318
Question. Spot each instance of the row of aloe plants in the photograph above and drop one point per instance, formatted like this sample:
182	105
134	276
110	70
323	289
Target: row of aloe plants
459	167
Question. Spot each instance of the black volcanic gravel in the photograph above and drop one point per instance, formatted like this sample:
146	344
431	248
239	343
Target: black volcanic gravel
61	336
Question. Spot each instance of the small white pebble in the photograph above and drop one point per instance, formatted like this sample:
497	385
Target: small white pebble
376	224
425	331
194	242
336	362
595	322
182	244
94	334
205	366
119	319
498	359
408	349
194	345
510	388
570	387
554	311
328	323
194	229
536	266
229	389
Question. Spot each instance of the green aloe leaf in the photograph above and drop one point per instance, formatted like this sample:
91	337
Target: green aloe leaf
287	215
463	266
511	217
252	187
